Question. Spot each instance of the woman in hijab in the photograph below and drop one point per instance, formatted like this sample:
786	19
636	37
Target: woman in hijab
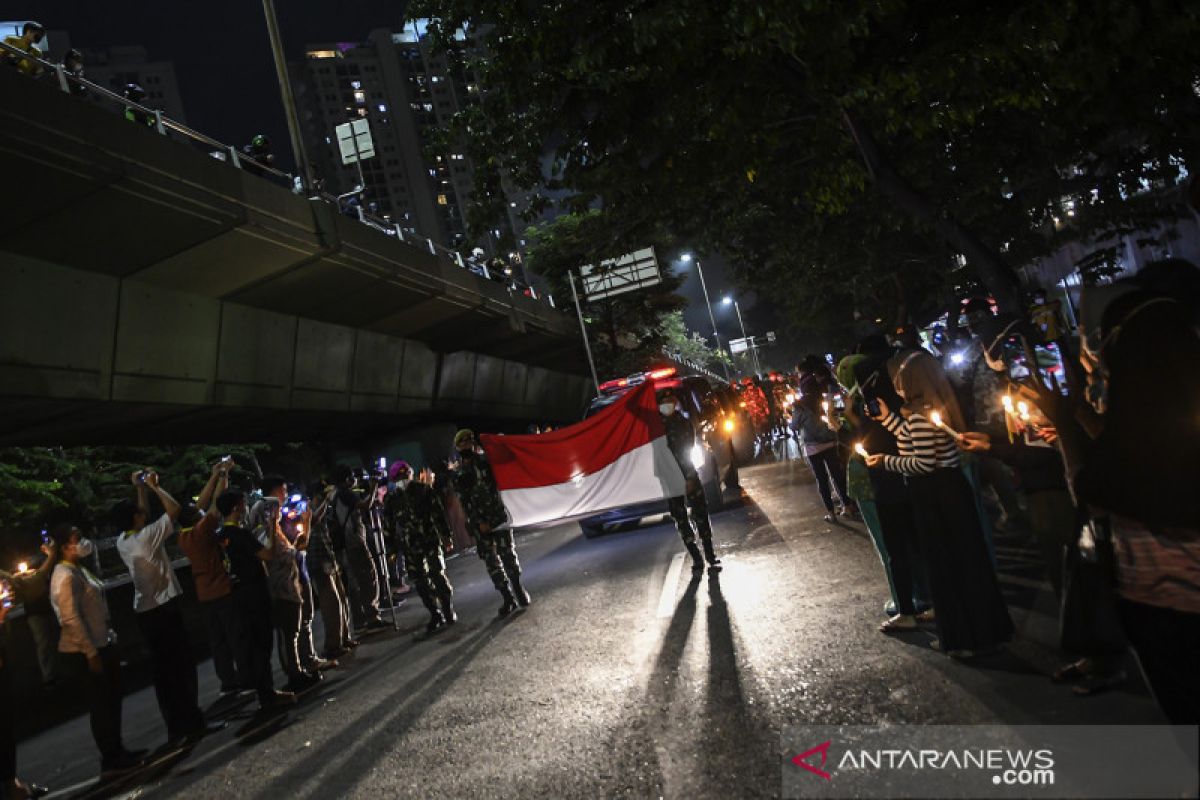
1140	464
972	617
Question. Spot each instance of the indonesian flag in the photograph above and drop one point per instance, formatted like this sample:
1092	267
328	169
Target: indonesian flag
618	457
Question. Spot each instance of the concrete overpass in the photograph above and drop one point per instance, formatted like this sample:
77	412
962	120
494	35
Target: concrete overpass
153	293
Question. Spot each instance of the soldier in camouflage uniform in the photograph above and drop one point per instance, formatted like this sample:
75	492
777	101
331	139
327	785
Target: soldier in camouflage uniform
415	516
476	489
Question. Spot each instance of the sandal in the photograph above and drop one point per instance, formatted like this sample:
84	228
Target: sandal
898	624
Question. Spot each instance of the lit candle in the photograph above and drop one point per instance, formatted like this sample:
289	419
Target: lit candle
299	528
22	567
1023	410
825	406
1007	402
862	451
936	419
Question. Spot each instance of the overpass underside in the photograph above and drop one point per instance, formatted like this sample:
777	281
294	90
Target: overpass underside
152	293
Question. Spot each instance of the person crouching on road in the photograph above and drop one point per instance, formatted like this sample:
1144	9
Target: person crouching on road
487	521
417	519
89	646
681	438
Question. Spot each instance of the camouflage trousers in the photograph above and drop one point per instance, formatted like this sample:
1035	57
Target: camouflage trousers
426	568
499	555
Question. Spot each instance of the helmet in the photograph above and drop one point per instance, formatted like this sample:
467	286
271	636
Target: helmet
260	142
134	92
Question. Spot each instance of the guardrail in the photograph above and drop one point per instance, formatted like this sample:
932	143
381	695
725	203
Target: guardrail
233	155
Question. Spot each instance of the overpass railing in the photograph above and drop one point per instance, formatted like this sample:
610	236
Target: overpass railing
72	83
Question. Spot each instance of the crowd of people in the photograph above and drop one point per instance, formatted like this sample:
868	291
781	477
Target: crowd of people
1094	458
264	560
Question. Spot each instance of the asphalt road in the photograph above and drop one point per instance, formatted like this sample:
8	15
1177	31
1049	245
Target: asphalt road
626	677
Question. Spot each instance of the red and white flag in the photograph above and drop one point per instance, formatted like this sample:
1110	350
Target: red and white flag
616	458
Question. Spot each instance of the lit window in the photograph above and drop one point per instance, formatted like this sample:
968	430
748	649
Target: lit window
360	97
355	84
442	200
322	54
382	108
362	112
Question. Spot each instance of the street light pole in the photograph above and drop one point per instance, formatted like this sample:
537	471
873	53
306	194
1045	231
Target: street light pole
711	317
289	99
753	348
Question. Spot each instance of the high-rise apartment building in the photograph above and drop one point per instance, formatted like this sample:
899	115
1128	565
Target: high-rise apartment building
407	92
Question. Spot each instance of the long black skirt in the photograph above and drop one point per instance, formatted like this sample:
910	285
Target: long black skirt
971	612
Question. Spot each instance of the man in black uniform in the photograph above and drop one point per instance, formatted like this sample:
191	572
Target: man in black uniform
681	438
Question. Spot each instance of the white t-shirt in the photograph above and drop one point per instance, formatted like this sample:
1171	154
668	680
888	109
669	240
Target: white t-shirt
154	579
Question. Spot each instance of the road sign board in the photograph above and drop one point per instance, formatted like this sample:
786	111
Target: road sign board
739	345
771	336
354	141
615	276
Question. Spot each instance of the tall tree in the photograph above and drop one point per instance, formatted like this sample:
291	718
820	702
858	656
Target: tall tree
974	124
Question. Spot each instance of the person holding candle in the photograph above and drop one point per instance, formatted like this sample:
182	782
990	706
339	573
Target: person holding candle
972	617
1130	455
10	784
909	603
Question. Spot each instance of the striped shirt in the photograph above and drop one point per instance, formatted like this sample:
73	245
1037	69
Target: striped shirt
1159	567
923	446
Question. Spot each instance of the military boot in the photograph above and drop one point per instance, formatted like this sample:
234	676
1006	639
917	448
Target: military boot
510	602
436	621
697	559
522	596
714	563
445	596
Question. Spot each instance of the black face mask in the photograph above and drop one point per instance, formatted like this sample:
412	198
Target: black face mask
466	453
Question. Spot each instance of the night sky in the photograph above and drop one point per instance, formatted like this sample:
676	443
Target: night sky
220	49
230	92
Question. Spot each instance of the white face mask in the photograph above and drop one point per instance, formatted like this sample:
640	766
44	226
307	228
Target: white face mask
84	548
666	409
403	483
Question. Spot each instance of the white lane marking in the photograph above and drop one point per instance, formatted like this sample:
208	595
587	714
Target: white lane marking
666	601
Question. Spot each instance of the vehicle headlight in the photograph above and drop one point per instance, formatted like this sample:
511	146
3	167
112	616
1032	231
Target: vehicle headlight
697	456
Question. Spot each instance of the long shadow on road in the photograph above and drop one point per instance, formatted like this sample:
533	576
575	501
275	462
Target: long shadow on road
745	750
388	712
